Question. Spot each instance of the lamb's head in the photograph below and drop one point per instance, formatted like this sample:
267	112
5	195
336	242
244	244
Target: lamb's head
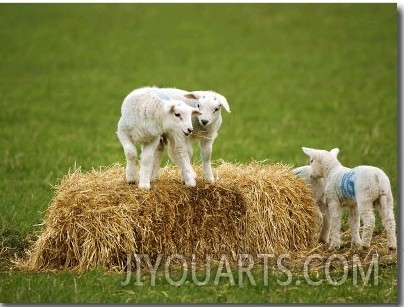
210	104
180	116
321	161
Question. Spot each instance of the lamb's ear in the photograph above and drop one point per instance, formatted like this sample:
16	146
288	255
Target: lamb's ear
196	112
170	107
224	104
191	96
334	152
308	151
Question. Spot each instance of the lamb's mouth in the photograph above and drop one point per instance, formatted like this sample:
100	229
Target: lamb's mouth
187	133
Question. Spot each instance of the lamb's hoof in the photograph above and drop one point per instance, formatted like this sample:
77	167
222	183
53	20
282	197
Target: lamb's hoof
322	241
131	180
190	183
356	246
144	186
210	180
334	247
209	177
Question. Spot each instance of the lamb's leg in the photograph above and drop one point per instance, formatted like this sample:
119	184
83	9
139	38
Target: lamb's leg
180	156
318	218
335	212
325	227
158	157
206	153
368	219
171	152
190	151
130	154
387	214
146	163
354	224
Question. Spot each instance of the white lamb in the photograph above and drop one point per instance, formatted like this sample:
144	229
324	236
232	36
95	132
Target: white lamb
317	188
145	117
205	125
362	189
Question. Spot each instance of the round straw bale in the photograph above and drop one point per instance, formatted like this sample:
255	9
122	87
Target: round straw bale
97	219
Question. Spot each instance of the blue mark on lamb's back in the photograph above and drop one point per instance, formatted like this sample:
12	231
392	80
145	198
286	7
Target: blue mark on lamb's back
161	95
348	185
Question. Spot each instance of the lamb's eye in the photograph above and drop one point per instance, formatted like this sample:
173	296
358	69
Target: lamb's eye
177	114
198	106
217	109
311	160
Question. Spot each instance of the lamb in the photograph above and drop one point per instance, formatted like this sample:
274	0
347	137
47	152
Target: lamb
205	125
362	189
144	119
317	188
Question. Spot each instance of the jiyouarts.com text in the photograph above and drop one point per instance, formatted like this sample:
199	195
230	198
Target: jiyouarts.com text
177	270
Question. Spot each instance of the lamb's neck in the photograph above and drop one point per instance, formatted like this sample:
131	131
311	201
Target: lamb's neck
331	168
161	121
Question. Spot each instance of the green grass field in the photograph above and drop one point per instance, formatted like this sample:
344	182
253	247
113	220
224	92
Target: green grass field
314	75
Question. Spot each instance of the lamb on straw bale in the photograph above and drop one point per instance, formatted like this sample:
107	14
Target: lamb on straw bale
97	219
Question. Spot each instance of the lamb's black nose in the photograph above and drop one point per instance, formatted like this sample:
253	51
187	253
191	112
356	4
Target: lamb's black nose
204	122
189	130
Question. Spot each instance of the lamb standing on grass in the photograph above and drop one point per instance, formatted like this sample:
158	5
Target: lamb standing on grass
205	125
145	117
362	189
317	188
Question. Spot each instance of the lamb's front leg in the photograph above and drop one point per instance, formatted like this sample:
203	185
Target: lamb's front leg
158	157
172	153
335	212
354	224
190	154
183	160
146	163
325	227
206	153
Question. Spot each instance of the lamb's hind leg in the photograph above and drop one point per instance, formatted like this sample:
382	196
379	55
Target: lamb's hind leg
335	212
387	214
354	225
130	155
146	163
368	219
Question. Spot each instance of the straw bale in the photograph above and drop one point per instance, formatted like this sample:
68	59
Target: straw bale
97	219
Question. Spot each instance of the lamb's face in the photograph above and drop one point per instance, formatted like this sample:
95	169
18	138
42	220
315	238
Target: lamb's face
180	116
317	169
320	160
209	104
